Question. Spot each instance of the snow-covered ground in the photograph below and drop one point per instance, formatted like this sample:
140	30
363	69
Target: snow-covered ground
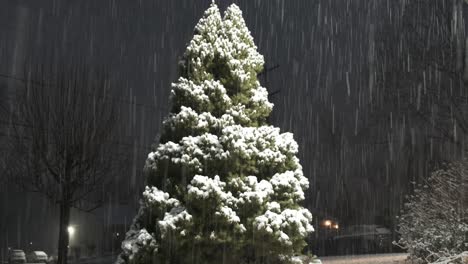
366	259
359	259
97	260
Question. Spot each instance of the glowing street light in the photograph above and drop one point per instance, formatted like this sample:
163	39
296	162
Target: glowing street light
71	231
336	226
327	223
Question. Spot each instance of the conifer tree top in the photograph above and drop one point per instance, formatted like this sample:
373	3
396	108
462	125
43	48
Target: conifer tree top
222	49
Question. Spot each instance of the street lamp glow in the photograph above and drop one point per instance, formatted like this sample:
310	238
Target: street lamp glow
71	230
336	226
327	223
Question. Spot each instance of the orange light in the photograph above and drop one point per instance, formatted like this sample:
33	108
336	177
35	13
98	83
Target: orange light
327	223
335	226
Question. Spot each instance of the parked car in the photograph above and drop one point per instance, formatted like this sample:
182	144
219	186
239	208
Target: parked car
37	257
16	256
52	259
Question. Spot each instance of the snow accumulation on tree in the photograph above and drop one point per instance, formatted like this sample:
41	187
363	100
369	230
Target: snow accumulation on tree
434	222
222	186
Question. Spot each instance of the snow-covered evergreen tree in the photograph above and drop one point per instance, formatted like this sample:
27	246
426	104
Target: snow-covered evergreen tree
222	185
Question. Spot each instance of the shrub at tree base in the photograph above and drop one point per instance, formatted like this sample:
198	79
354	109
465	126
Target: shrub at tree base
222	185
434	222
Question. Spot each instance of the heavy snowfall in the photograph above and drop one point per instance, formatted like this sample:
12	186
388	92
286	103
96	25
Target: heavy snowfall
216	131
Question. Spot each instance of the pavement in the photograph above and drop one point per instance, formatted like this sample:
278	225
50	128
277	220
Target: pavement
366	259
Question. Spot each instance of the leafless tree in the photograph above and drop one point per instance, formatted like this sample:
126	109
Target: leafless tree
434	222
63	139
423	69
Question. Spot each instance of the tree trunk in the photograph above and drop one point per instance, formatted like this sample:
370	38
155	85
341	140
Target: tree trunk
63	233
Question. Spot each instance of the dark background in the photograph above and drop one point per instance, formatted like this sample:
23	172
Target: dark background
330	56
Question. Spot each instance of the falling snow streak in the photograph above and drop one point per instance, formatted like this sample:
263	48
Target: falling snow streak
374	91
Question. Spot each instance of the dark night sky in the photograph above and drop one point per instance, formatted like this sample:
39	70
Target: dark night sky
324	49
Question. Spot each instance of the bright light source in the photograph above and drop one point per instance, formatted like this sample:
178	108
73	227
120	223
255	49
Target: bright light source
336	226
327	223
71	230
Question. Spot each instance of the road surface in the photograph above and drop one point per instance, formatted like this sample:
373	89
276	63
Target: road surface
366	259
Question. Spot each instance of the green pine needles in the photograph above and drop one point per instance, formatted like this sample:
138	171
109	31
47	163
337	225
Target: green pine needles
222	185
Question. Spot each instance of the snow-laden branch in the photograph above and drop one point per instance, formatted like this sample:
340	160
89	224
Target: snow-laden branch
434	223
462	257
